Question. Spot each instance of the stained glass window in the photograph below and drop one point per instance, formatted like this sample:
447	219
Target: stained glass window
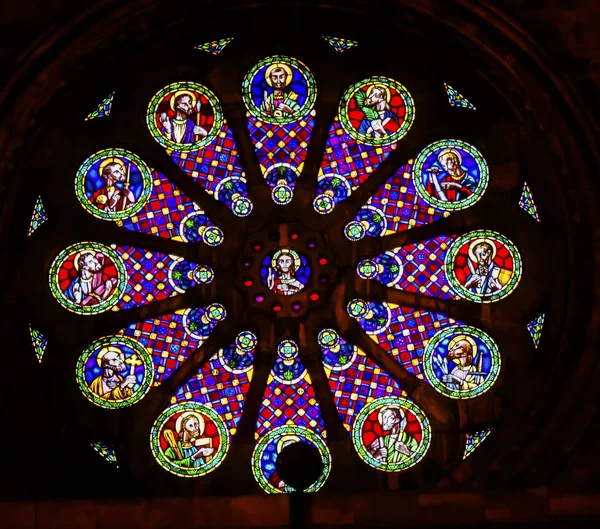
374	114
456	99
103	109
279	93
197	313
340	44
458	360
527	204
192	435
535	329
187	120
38	217
473	440
215	47
39	342
106	452
480	266
289	414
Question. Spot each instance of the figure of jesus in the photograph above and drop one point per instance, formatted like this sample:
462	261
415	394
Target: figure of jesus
377	111
115	194
89	288
181	128
111	385
464	375
284	281
189	449
395	445
453	186
281	100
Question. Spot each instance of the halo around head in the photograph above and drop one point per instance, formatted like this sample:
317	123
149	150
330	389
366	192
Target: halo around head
292	253
467	338
286	439
184	416
389	407
109	161
109	349
472	246
388	95
79	255
449	150
276	66
180	93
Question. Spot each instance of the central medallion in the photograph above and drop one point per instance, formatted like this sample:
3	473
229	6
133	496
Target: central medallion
285	272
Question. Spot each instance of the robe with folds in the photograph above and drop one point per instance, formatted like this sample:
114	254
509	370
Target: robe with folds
389	441
469	380
117	393
186	460
467	183
103	197
494	273
97	287
181	131
289	98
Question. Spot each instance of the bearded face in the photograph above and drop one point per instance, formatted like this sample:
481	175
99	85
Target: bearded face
192	427
463	352
451	164
389	419
90	263
376	97
115	172
278	78
284	263
184	105
483	252
114	363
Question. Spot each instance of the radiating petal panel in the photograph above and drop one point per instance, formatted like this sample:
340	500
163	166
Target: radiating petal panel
279	93
116	371
458	360
289	414
107	453
38	216
390	432
39	342
192	435
473	440
187	120
340	44
456	99
117	185
527	204
480	266
447	176
90	277
374	114
535	328
103	109
215	47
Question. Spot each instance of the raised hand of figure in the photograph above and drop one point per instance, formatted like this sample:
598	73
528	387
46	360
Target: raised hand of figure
203	452
402	448
164	120
129	381
270	279
285	108
377	127
449	185
199	131
383	452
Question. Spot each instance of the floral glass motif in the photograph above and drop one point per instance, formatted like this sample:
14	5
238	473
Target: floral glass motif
115	184
192	436
527	204
90	278
374	114
456	99
107	452
103	109
340	44
279	93
38	217
459	361
481	266
39	342
289	414
215	47
473	440
394	442
169	340
535	329
186	118
285	272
